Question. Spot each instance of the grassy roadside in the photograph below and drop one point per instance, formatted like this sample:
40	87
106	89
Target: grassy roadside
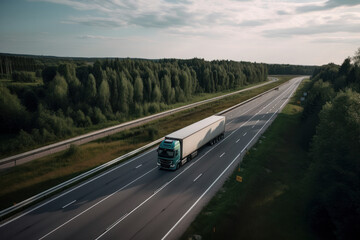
24	181
4	140
270	203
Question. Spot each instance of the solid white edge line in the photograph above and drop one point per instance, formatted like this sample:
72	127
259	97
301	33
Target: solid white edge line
76	187
139	178
173	178
126	185
222	173
79	214
157	191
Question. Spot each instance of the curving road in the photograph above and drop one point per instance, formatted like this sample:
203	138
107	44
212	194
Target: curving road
136	200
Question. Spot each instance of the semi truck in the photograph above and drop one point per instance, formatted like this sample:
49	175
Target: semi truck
181	146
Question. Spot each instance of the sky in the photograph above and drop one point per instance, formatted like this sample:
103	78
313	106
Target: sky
305	32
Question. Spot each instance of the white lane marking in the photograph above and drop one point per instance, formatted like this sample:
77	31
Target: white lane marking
138	166
237	140
253	126
68	204
180	172
154	169
222	154
197	177
222	173
151	170
160	188
81	213
245	134
77	187
263	116
230	122
119	220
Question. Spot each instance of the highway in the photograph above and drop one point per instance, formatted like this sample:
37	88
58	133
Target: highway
136	200
63	145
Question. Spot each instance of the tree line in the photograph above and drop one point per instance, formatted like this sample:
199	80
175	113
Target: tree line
76	94
331	121
287	69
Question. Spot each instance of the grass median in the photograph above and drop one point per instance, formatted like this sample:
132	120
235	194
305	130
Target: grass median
270	203
23	181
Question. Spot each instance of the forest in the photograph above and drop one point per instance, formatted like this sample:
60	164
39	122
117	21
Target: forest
47	99
331	134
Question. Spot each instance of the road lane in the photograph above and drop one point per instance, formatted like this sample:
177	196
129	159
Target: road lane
132	201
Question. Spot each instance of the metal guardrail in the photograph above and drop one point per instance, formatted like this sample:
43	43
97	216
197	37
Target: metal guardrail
74	180
105	132
6	212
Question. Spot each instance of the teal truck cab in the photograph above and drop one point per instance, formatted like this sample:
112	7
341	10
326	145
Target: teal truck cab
169	154
182	145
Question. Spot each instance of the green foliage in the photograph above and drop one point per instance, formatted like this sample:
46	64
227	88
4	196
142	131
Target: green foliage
104	95
152	133
336	168
356	58
138	90
22	77
334	176
13	115
73	149
287	69
58	92
75	94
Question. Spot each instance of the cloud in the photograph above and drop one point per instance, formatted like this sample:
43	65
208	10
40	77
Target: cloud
253	23
330	4
99	37
211	17
95	21
338	40
312	30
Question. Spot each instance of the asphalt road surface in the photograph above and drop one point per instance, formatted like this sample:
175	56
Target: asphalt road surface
136	200
63	145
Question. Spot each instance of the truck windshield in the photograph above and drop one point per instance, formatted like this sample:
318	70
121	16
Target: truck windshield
163	152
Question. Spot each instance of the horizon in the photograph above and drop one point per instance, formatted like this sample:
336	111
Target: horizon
302	32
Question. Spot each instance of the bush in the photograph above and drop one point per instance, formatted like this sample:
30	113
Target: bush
73	149
22	77
152	133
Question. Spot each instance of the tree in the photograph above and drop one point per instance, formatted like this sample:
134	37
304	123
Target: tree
90	89
336	168
156	94
104	96
58	92
356	58
68	71
13	115
166	88
138	90
337	135
319	94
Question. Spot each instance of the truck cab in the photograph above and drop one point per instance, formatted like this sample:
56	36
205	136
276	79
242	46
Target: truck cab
169	154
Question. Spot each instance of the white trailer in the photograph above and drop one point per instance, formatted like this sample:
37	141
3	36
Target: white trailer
191	138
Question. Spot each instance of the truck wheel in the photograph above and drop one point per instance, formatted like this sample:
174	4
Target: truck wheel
177	166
